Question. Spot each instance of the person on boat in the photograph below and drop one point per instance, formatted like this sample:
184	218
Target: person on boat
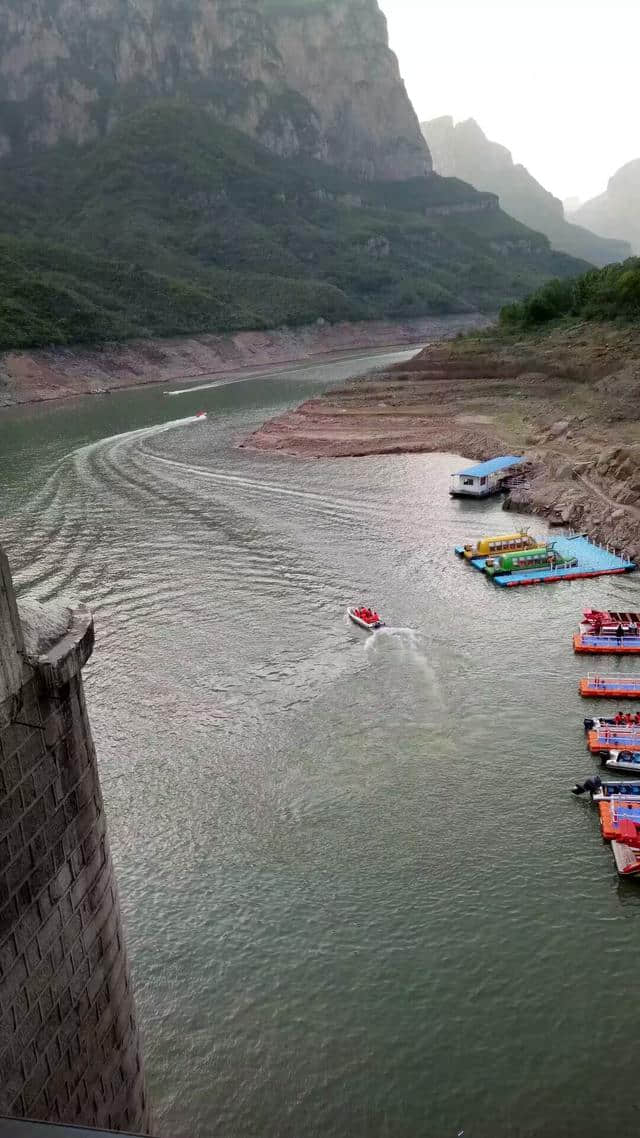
618	718
619	633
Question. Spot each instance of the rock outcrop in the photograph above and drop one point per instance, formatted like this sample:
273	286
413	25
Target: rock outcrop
567	400
616	213
462	150
314	78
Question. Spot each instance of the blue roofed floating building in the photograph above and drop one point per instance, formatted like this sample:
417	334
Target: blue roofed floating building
484	478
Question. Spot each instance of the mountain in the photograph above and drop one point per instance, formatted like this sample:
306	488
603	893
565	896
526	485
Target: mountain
463	151
616	213
174	223
175	166
313	78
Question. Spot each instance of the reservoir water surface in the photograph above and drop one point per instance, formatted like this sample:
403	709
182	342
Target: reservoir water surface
359	898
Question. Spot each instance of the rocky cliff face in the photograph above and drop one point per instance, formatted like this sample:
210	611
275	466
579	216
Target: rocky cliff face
464	151
313	78
616	213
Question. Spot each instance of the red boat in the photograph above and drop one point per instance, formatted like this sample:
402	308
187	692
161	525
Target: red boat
602	619
365	617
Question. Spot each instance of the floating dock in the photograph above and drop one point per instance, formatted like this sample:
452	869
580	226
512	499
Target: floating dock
586	642
592	561
610	687
484	478
615	816
613	739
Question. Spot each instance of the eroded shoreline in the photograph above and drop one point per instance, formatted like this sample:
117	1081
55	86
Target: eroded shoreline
58	373
569	400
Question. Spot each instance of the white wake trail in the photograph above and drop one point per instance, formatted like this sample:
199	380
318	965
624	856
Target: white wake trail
407	645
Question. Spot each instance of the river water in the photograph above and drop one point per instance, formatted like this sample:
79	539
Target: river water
359	898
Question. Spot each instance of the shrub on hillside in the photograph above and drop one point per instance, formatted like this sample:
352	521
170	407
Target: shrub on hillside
611	293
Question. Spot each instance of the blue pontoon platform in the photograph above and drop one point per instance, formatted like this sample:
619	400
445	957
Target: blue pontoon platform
592	561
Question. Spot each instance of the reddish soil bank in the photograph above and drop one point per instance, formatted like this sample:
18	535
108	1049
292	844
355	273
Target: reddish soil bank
32	376
568	400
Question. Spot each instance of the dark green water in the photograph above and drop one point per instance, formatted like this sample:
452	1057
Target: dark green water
359	898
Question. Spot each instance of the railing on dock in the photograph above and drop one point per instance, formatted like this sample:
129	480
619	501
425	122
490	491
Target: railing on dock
618	731
619	681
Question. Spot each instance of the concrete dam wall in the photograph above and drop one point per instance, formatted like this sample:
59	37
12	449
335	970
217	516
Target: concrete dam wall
69	1041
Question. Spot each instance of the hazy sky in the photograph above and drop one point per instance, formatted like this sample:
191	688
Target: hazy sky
557	83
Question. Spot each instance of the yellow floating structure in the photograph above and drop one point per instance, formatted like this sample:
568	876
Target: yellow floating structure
500	543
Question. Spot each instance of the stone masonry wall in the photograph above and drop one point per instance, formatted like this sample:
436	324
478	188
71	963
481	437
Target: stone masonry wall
69	1043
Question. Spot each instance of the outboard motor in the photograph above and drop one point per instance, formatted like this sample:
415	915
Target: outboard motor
589	786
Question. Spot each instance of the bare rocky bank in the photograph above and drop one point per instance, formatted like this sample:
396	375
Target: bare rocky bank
41	374
569	400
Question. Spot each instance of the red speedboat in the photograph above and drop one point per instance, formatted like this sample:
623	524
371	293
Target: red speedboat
365	617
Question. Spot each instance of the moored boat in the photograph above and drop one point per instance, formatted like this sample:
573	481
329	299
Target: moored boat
627	761
365	618
542	557
619	814
606	618
599	790
622	719
499	543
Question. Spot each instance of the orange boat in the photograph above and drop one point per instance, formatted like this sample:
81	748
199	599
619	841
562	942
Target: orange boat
610	687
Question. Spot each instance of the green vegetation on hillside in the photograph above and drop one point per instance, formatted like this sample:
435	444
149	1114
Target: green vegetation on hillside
175	224
612	293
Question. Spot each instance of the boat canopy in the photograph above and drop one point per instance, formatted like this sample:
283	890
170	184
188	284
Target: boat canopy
492	466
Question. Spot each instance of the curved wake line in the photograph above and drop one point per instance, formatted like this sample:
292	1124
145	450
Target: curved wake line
257	484
138	432
285	368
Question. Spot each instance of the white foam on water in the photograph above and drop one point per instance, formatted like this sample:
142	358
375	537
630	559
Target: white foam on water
284	368
409	646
